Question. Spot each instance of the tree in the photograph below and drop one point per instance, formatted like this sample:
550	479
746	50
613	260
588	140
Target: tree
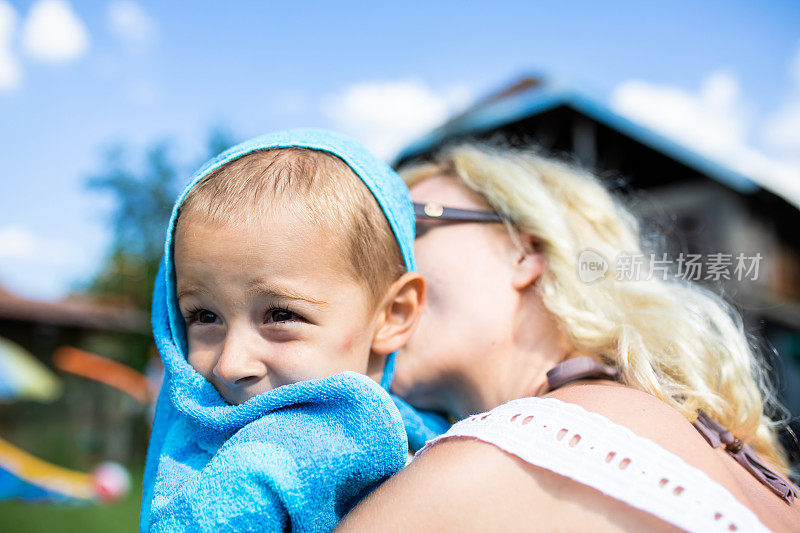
143	202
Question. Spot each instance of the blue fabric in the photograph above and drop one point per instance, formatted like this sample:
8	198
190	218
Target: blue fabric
298	456
420	425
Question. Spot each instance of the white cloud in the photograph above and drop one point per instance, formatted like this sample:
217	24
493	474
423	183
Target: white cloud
714	121
385	115
37	266
16	242
10	73
710	120
782	130
131	23
53	33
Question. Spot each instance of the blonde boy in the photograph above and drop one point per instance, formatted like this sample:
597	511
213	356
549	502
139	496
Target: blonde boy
287	285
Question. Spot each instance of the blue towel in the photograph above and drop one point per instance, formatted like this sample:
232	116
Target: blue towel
299	456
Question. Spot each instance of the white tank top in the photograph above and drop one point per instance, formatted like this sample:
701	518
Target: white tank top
591	449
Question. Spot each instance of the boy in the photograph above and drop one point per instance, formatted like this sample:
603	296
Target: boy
293	281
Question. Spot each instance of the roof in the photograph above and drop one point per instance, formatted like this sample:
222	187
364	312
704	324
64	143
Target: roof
75	313
524	100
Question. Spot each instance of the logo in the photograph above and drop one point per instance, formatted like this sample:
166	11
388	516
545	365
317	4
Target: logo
591	266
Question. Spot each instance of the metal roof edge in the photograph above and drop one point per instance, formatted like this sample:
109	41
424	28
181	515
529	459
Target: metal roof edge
653	139
542	99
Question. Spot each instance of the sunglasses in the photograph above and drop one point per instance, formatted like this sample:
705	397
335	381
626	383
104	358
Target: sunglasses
433	212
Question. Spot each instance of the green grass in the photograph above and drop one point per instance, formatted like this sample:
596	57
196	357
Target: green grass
122	516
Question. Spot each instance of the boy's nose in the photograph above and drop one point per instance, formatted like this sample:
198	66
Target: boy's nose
237	366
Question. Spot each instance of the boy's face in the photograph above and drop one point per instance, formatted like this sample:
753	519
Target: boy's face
269	303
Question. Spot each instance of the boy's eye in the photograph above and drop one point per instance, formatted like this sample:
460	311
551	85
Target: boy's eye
280	315
205	317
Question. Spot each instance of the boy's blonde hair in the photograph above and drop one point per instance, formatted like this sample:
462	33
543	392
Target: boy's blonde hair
677	341
325	191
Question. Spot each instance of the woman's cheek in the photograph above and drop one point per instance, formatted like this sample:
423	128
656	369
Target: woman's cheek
418	358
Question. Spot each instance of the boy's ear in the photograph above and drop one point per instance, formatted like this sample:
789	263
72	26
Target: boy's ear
398	313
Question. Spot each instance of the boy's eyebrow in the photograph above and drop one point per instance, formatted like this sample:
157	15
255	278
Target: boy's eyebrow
189	289
259	287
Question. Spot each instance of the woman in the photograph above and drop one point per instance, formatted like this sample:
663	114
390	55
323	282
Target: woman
506	303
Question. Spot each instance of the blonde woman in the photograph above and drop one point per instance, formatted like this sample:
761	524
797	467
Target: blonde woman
628	429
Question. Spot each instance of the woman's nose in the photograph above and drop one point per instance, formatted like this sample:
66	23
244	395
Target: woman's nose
238	364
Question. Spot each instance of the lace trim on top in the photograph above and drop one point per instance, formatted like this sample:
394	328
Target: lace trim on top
590	449
584	367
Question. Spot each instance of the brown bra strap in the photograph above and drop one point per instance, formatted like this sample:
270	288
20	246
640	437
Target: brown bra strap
717	435
584	367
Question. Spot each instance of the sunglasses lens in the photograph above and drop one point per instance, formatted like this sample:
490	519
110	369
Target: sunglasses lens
421	229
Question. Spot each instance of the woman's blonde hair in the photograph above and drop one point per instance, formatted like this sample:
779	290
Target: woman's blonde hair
677	341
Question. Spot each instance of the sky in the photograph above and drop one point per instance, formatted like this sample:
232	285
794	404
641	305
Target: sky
722	77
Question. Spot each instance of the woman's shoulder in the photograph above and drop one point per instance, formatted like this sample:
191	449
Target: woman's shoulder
606	407
632	448
646	416
655	420
463	483
555	464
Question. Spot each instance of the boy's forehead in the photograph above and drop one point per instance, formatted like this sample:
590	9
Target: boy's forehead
330	205
293	179
282	237
296	215
239	263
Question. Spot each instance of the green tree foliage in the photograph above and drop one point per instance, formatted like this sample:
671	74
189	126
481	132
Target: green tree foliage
142	202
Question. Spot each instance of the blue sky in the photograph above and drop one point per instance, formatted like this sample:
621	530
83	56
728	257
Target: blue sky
77	77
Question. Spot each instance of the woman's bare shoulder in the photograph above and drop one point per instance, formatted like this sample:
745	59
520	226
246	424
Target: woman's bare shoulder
651	418
642	413
463	483
655	420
